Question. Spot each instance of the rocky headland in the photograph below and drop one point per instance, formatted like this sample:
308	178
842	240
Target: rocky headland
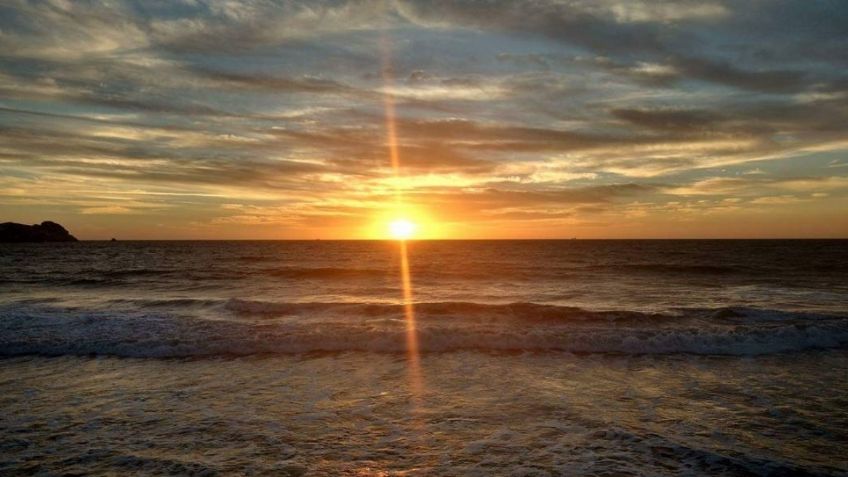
44	232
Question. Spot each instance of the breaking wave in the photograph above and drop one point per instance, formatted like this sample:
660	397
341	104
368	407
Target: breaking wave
255	327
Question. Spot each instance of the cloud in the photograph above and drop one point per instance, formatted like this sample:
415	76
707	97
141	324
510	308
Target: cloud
668	119
545	111
751	186
776	200
723	72
279	84
67	31
106	210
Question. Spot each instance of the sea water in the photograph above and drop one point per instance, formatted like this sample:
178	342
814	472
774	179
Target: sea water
531	358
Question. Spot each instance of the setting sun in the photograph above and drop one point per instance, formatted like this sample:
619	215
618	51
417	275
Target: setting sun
427	237
402	229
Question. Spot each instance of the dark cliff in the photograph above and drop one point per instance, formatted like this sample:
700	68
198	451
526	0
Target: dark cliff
44	232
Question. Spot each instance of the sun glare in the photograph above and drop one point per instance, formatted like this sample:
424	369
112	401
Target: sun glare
402	229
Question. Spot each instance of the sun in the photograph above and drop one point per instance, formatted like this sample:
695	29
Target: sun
405	222
402	229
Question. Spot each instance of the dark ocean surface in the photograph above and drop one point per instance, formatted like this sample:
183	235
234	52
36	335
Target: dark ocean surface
577	357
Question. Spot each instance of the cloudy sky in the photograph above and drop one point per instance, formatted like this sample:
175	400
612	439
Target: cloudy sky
514	119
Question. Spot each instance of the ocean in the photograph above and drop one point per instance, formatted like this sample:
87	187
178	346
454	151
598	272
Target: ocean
531	358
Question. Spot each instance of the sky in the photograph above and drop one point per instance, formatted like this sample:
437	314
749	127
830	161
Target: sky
223	119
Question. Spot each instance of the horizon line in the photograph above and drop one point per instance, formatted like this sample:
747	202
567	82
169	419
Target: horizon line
569	239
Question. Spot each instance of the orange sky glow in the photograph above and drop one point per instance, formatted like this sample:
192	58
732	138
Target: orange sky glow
331	120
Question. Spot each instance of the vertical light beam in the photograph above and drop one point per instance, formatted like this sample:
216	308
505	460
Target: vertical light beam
413	357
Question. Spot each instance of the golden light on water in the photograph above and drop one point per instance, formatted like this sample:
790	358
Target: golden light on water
415	379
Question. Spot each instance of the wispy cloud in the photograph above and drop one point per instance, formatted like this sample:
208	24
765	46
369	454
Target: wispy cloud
612	117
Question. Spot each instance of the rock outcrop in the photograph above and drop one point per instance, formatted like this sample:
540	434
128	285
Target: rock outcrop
44	232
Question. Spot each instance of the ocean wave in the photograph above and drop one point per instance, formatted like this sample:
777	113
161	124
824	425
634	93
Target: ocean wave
325	272
134	272
430	311
172	303
519	311
663	268
440	327
681	268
